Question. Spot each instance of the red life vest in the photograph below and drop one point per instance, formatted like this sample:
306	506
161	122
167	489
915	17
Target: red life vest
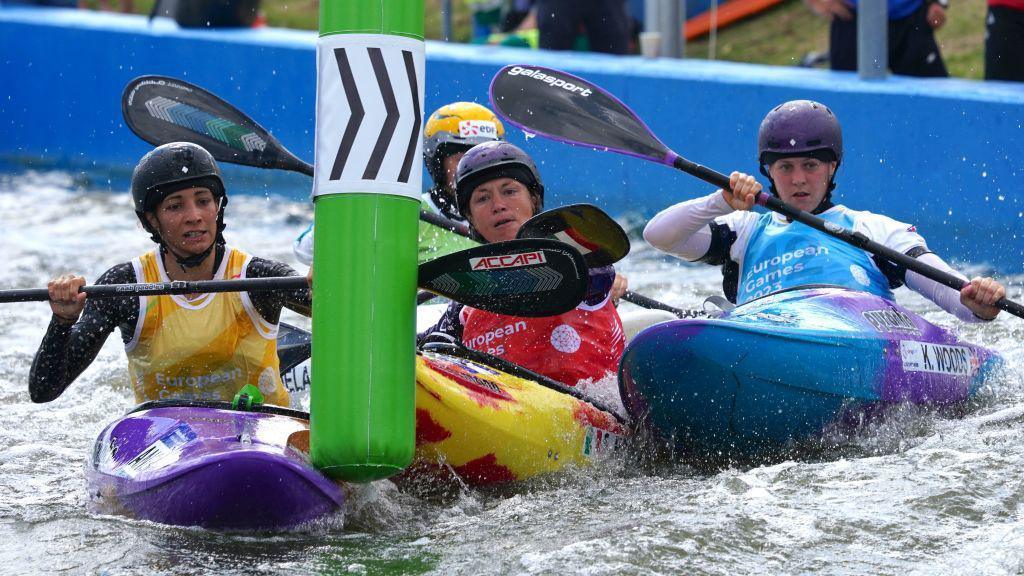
1014	4
586	342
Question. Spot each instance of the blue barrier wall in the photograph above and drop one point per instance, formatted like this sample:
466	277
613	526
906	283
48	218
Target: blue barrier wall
943	154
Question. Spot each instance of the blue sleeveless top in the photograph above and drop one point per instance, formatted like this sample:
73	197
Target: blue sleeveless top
781	256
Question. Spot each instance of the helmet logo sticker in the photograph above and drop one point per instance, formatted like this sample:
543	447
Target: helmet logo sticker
184	169
792	141
478	128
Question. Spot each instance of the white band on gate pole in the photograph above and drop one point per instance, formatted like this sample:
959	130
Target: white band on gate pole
369	108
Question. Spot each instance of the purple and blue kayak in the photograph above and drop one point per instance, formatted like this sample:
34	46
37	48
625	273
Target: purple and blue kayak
204	464
780	369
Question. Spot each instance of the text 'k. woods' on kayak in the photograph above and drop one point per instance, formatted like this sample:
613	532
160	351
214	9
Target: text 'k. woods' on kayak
782	368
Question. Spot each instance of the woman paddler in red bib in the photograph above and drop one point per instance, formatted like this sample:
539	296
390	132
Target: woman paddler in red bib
498	189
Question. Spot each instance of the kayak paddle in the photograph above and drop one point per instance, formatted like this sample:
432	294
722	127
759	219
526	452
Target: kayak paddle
525	277
600	239
570	109
160	109
529	277
652	304
585	227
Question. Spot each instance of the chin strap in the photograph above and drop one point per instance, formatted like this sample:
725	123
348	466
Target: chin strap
444	204
187	262
195	260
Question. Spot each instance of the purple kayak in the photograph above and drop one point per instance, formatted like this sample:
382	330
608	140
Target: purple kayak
204	464
781	368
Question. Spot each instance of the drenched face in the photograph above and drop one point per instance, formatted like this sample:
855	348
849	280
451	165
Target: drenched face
802	182
186	220
498	208
449	164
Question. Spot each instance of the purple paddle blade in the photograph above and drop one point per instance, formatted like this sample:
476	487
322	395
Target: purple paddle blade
567	108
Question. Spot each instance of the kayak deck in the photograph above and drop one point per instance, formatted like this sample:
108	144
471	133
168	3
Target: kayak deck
490	427
781	368
221	469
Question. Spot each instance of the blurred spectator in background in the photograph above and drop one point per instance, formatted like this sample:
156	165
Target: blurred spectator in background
1004	40
912	24
605	22
122	5
504	22
210	13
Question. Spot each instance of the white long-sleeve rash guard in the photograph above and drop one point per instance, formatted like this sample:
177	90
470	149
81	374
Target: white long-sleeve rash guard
683	230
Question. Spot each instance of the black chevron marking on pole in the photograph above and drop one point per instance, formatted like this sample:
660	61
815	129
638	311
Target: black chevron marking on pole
388	129
414	92
348	81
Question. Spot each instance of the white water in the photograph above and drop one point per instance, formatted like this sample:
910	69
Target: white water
920	493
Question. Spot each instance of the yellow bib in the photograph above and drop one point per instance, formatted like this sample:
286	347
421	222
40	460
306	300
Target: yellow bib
204	348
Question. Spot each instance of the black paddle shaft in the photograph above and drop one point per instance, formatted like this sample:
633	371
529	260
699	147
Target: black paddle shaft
526	277
160	288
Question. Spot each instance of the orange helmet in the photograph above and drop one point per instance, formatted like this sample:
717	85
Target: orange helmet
453	128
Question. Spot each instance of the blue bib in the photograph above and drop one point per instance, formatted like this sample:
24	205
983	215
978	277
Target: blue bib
781	256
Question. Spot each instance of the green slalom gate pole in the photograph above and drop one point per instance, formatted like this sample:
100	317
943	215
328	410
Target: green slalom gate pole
370	62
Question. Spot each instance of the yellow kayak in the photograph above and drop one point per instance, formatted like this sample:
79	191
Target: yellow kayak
488	426
488	422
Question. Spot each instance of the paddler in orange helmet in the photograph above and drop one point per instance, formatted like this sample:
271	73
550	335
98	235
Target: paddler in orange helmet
499	188
197	346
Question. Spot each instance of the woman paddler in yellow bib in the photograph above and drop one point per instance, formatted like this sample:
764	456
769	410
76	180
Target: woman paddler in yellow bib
195	346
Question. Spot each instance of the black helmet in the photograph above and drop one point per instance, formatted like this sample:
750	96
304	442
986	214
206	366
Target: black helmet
497	159
172	167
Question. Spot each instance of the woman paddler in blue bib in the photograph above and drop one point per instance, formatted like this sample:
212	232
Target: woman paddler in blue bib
196	346
800	147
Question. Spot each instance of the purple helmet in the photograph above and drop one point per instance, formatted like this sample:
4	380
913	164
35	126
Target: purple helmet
799	128
496	159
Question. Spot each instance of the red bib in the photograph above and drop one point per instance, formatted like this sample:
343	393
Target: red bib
586	342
